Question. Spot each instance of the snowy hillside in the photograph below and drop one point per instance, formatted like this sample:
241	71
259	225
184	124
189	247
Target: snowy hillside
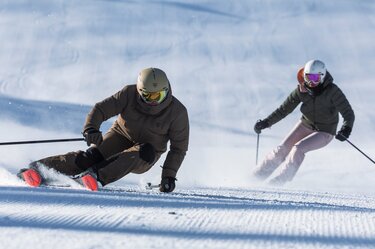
206	218
230	63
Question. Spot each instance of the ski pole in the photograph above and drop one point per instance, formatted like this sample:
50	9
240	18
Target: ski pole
43	141
256	158
360	151
152	186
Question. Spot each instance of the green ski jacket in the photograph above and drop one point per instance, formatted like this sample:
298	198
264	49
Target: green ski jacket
319	110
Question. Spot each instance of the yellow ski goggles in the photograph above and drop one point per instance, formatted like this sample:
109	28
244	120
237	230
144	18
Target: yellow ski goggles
154	98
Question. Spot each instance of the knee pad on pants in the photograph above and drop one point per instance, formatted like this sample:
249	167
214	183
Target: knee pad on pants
88	158
147	153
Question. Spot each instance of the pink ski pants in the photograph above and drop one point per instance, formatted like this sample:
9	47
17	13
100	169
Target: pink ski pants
291	153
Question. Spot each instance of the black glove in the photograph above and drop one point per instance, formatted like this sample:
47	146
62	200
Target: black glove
344	133
167	184
92	136
260	125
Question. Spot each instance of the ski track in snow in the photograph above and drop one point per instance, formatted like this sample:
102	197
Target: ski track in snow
205	218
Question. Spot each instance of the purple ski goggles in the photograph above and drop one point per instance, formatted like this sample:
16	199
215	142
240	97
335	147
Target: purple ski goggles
313	79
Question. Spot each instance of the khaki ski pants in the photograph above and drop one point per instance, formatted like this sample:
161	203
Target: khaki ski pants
114	158
291	152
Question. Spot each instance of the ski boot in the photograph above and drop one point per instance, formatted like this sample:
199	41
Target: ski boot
31	176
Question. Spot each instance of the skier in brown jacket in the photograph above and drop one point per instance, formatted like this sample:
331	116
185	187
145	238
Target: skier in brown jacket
149	117
322	100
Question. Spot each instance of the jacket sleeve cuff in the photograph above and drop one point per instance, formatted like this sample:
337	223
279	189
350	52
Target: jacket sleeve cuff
168	173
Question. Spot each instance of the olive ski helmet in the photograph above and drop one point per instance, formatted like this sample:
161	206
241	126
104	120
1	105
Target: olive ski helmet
152	86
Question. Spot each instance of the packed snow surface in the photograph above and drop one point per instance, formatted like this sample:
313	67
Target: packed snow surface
230	63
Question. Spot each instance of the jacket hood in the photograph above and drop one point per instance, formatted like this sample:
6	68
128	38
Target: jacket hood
328	79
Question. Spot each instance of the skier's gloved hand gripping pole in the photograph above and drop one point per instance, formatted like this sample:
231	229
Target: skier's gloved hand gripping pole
167	185
92	136
258	127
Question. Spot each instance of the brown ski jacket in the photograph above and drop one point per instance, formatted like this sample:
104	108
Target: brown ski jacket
142	123
319	110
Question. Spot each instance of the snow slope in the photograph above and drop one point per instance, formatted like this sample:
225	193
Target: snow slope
206	218
230	63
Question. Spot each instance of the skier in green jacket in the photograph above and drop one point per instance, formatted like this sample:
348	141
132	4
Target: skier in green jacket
148	118
321	100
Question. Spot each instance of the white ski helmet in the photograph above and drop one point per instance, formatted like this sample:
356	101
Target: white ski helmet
152	85
314	72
